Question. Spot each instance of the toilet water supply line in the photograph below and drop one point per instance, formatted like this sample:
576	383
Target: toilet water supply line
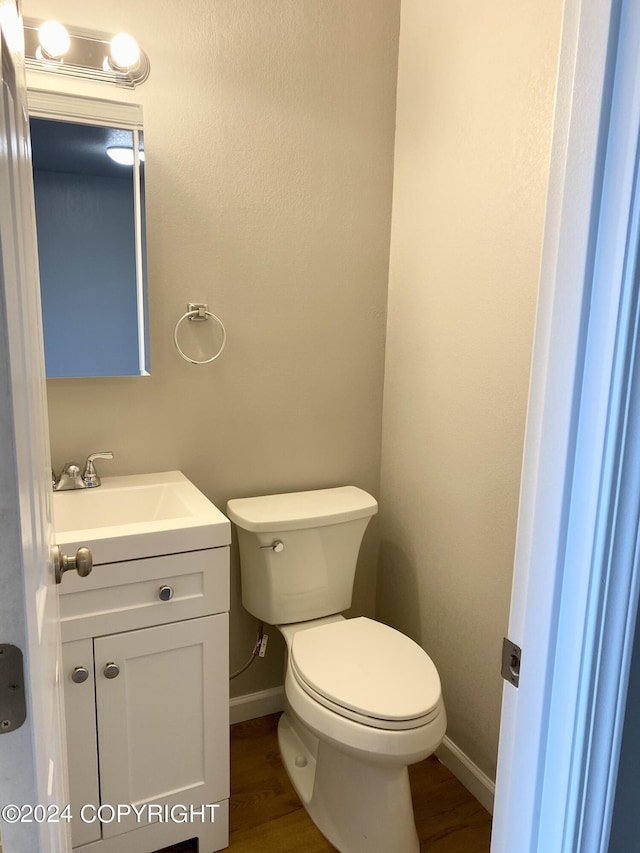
259	650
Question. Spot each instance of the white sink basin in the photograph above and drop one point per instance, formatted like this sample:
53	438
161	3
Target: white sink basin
140	515
116	504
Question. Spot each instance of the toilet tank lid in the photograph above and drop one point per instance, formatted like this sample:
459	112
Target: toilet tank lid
298	510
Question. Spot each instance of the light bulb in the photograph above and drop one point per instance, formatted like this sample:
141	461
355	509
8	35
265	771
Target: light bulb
122	155
54	40
125	52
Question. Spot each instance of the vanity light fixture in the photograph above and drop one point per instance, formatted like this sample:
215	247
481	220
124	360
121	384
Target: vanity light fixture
122	155
54	41
53	48
124	53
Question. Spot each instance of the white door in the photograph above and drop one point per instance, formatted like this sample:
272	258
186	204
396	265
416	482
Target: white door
162	735
82	737
32	755
576	573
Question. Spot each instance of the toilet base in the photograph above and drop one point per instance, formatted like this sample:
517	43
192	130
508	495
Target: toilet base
359	806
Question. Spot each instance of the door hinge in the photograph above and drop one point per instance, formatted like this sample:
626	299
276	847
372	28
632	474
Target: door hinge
511	656
13	706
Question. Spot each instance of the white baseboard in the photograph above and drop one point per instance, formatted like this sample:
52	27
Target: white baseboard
253	705
463	768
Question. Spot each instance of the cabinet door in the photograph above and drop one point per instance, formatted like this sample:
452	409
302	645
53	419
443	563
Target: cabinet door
163	719
82	747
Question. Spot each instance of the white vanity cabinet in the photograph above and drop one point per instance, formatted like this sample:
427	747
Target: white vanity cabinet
145	660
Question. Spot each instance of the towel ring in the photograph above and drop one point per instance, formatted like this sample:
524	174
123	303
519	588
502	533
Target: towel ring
199	311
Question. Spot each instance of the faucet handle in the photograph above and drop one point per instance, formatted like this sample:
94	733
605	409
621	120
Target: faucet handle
90	476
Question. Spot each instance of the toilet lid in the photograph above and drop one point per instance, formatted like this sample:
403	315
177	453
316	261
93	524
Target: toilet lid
368	669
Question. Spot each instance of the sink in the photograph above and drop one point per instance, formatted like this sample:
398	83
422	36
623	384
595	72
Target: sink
121	504
136	516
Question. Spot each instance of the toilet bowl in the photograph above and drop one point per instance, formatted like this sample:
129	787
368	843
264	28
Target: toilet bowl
362	700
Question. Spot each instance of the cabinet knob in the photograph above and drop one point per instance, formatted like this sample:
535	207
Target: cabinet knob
79	675
111	670
165	593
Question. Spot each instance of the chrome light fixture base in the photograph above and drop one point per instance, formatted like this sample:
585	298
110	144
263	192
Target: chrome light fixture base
88	57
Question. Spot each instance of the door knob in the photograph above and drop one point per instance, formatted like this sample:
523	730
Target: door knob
82	562
111	670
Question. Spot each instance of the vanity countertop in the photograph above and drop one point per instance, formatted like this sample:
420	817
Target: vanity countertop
138	515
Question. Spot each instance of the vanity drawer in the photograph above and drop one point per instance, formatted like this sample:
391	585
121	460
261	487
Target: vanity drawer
125	596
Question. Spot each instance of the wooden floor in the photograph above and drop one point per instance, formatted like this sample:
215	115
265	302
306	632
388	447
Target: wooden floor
267	817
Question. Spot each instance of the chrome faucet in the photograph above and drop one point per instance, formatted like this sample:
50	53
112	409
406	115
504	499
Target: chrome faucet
70	477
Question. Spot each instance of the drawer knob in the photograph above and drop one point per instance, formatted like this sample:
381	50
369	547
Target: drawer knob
165	593
111	670
79	675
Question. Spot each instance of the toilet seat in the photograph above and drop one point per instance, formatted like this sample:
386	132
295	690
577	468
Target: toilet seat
367	672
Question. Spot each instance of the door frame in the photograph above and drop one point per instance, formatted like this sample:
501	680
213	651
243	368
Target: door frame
575	589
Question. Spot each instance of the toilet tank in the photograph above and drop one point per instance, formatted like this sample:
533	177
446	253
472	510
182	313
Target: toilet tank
312	574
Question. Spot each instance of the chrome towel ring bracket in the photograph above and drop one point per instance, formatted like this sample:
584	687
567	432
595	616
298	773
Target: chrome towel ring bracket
199	311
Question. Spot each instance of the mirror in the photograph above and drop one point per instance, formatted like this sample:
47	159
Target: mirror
89	197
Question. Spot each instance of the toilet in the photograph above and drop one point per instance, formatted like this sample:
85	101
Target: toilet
362	700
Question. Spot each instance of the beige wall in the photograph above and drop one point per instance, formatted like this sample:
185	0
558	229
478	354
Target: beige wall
269	138
269	141
475	99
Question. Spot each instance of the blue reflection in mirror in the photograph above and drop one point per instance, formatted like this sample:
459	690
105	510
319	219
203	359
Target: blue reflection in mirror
91	254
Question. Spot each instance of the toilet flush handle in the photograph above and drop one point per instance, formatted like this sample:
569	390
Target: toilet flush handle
277	545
